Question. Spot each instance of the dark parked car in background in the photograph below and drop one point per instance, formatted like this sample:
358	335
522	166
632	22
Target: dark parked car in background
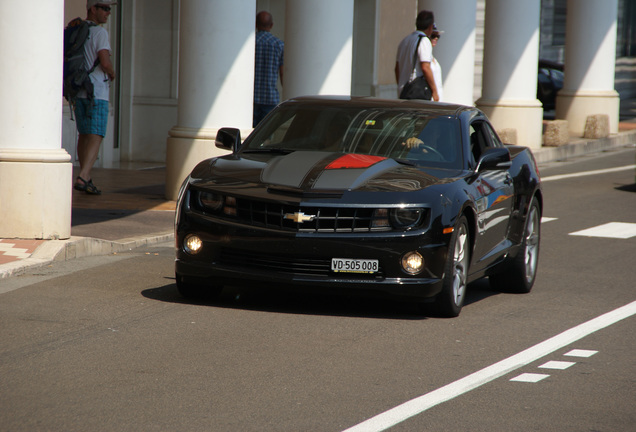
550	81
411	199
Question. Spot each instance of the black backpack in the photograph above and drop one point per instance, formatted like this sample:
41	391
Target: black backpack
76	77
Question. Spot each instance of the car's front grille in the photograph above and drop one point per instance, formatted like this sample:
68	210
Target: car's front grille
293	265
306	219
294	218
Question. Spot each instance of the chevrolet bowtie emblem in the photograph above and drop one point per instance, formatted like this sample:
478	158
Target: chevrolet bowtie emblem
299	217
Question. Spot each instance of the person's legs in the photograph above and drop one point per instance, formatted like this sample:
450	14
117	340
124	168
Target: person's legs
87	152
260	111
92	118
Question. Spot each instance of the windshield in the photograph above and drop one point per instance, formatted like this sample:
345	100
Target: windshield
407	135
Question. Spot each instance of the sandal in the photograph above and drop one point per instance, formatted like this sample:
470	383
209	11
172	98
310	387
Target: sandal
87	187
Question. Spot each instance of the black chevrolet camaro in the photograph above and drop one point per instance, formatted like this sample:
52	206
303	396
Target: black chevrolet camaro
411	199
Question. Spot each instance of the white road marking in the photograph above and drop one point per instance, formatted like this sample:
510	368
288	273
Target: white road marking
587	173
560	365
547	219
422	403
530	377
580	353
620	230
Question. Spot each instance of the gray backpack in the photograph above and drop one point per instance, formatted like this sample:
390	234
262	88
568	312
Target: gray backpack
76	76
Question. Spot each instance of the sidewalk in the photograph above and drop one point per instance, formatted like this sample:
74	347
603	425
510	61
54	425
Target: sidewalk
132	211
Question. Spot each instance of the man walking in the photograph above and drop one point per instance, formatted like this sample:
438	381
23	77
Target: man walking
405	70
268	65
92	115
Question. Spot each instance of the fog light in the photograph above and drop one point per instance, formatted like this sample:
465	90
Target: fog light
192	244
412	263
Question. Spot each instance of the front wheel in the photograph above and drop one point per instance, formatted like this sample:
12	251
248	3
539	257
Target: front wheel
520	275
450	300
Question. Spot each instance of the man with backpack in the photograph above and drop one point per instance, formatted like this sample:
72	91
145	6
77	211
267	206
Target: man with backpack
90	102
414	56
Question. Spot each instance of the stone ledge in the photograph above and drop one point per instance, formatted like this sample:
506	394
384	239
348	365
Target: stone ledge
597	126
555	133
508	135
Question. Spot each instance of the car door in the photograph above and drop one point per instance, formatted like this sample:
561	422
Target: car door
494	196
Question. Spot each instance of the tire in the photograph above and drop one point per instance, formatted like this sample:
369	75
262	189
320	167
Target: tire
450	300
520	275
197	290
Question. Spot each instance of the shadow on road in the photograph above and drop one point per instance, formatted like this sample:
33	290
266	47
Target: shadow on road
305	302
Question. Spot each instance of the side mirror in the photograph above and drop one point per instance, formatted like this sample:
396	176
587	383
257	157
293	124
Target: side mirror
497	158
228	139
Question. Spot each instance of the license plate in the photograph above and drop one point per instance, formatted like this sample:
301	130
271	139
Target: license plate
349	265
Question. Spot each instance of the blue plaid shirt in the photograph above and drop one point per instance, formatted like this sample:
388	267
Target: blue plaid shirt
268	60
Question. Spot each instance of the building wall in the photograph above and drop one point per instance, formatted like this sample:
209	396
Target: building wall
144	101
153	74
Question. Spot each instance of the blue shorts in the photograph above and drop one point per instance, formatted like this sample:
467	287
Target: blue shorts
91	117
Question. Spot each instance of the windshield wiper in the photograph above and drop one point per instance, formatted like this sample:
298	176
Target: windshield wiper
269	150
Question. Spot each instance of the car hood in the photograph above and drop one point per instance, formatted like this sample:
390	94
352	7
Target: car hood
318	171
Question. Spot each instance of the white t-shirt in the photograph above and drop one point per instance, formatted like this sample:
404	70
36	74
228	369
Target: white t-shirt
97	41
405	52
437	76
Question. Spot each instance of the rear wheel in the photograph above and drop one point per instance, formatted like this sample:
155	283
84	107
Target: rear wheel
197	289
450	300
520	275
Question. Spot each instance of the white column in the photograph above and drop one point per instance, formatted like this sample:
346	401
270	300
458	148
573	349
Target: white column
318	47
35	172
590	58
216	81
455	50
511	55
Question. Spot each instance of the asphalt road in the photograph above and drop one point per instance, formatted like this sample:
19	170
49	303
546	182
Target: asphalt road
106	344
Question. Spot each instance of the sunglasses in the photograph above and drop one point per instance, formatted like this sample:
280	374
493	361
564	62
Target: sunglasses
104	8
435	36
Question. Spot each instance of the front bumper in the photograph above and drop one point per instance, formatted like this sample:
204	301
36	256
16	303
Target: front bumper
234	254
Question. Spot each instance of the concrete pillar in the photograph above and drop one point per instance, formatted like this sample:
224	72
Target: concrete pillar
318	47
216	81
35	172
455	50
511	55
590	57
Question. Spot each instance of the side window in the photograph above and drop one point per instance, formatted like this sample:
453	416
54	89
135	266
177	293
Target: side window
478	142
493	139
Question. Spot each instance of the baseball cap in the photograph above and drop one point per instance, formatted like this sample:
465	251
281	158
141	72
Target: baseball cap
91	3
435	30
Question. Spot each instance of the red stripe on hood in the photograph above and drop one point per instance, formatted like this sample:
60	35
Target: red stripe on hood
355	161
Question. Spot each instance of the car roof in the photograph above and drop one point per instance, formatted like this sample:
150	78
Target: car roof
426	107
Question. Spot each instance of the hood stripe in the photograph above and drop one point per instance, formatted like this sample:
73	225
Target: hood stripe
354	161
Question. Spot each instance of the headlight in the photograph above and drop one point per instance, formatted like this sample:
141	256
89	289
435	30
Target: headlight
192	244
211	201
412	263
405	217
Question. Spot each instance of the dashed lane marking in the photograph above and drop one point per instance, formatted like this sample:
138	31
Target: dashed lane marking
560	365
530	377
580	353
422	403
620	230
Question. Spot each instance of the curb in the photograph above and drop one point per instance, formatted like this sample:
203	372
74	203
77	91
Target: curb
581	146
78	247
